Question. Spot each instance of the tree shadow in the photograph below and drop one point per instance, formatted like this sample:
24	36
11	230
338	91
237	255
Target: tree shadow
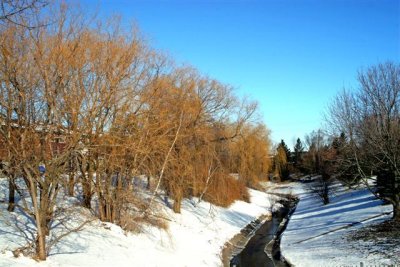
349	209
339	204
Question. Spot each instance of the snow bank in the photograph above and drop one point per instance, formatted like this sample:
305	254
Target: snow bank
195	238
317	235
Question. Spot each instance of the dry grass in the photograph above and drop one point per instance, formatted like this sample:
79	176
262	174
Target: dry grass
137	223
135	219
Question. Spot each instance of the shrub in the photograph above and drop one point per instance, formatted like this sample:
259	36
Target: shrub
225	189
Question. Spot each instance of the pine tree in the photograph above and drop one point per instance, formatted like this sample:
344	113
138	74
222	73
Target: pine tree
298	150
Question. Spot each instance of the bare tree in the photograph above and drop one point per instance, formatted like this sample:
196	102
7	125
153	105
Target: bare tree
370	119
320	160
23	13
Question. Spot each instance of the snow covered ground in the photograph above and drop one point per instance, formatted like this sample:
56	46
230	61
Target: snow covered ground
318	235
194	238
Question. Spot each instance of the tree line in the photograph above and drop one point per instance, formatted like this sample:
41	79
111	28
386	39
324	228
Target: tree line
361	141
88	106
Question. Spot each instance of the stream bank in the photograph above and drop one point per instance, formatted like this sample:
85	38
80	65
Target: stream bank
258	244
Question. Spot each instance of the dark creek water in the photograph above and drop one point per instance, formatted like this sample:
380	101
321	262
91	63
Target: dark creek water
253	255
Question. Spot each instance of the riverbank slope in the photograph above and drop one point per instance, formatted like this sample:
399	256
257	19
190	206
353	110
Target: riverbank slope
194	238
319	235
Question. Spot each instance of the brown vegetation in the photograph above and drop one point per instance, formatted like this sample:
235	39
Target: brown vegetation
96	107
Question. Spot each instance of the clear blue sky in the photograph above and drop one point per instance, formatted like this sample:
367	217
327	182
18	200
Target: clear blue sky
290	56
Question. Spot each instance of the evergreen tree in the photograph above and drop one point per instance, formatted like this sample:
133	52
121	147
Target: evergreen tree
298	150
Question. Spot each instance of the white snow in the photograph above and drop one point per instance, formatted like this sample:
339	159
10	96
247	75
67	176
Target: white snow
317	235
194	238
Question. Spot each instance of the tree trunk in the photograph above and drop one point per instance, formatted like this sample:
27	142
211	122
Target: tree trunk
11	194
326	199
117	200
109	211
102	208
71	184
38	213
148	182
40	243
86	176
396	209
87	190
177	203
326	191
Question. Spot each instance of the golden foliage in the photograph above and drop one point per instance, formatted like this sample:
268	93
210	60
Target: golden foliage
123	110
226	190
251	154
